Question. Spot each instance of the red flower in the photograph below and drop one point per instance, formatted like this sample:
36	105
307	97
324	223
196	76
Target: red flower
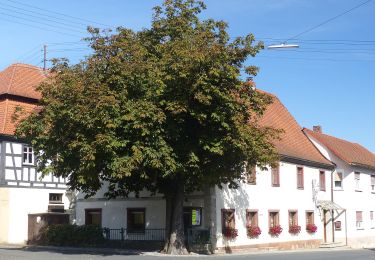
311	228
275	230
230	233
294	229
253	231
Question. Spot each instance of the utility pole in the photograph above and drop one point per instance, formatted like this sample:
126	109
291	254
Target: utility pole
44	57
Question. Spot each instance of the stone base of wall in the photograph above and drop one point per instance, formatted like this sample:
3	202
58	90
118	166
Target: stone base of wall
288	245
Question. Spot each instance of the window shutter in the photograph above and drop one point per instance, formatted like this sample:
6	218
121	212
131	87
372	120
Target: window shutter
275	173
372	179
359	215
300	181
322	183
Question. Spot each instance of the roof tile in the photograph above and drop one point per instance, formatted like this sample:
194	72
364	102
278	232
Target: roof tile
351	153
293	142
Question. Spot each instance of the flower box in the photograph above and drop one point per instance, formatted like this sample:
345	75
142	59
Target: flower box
294	229
311	228
253	231
230	233
275	231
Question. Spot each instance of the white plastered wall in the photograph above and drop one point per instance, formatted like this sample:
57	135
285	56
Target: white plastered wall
263	197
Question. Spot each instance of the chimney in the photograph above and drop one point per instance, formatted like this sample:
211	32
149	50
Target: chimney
317	128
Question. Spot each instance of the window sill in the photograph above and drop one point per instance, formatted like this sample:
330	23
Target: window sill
358	191
277	186
360	229
28	164
338	189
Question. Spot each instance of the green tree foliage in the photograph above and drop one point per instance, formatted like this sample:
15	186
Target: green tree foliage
162	109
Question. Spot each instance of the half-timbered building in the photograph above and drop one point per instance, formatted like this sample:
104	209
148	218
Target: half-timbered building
23	190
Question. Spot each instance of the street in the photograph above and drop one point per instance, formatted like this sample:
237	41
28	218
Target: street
45	254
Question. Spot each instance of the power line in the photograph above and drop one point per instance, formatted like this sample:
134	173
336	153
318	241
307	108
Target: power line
45	15
68	26
38	22
328	20
317	59
28	53
61	14
38	27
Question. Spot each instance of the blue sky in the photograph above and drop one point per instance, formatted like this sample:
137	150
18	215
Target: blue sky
329	80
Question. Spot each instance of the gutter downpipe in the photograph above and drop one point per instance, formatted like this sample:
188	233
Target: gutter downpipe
332	211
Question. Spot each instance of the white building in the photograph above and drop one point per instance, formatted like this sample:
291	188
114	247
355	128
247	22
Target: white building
22	190
283	196
353	189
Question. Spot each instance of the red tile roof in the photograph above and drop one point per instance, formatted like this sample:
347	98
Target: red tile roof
7	109
293	143
351	153
21	80
18	80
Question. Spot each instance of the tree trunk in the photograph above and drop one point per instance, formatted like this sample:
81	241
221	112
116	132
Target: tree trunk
175	239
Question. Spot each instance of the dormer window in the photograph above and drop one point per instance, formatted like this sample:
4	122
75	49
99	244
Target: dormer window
28	155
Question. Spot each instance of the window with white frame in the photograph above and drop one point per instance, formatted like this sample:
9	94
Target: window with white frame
372	222
28	155
357	180
338	180
373	183
359	219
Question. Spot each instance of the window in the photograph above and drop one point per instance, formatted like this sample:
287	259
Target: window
55	198
322	180
192	216
338	180
93	217
338	225
28	155
275	176
252	218
309	217
251	175
357	179
136	220
373	183
293	218
228	219
359	222
372	222
300	182
273	218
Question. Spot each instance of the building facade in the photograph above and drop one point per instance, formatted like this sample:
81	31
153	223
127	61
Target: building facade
23	190
353	189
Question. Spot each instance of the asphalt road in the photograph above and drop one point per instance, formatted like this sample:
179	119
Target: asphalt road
44	254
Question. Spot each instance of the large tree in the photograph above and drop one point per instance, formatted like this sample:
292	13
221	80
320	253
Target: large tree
163	109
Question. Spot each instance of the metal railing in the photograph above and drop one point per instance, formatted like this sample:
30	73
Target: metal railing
123	234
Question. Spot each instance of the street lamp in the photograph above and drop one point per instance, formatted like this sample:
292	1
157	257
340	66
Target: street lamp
282	46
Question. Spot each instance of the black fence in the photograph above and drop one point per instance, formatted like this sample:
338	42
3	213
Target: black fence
123	234
198	236
193	236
